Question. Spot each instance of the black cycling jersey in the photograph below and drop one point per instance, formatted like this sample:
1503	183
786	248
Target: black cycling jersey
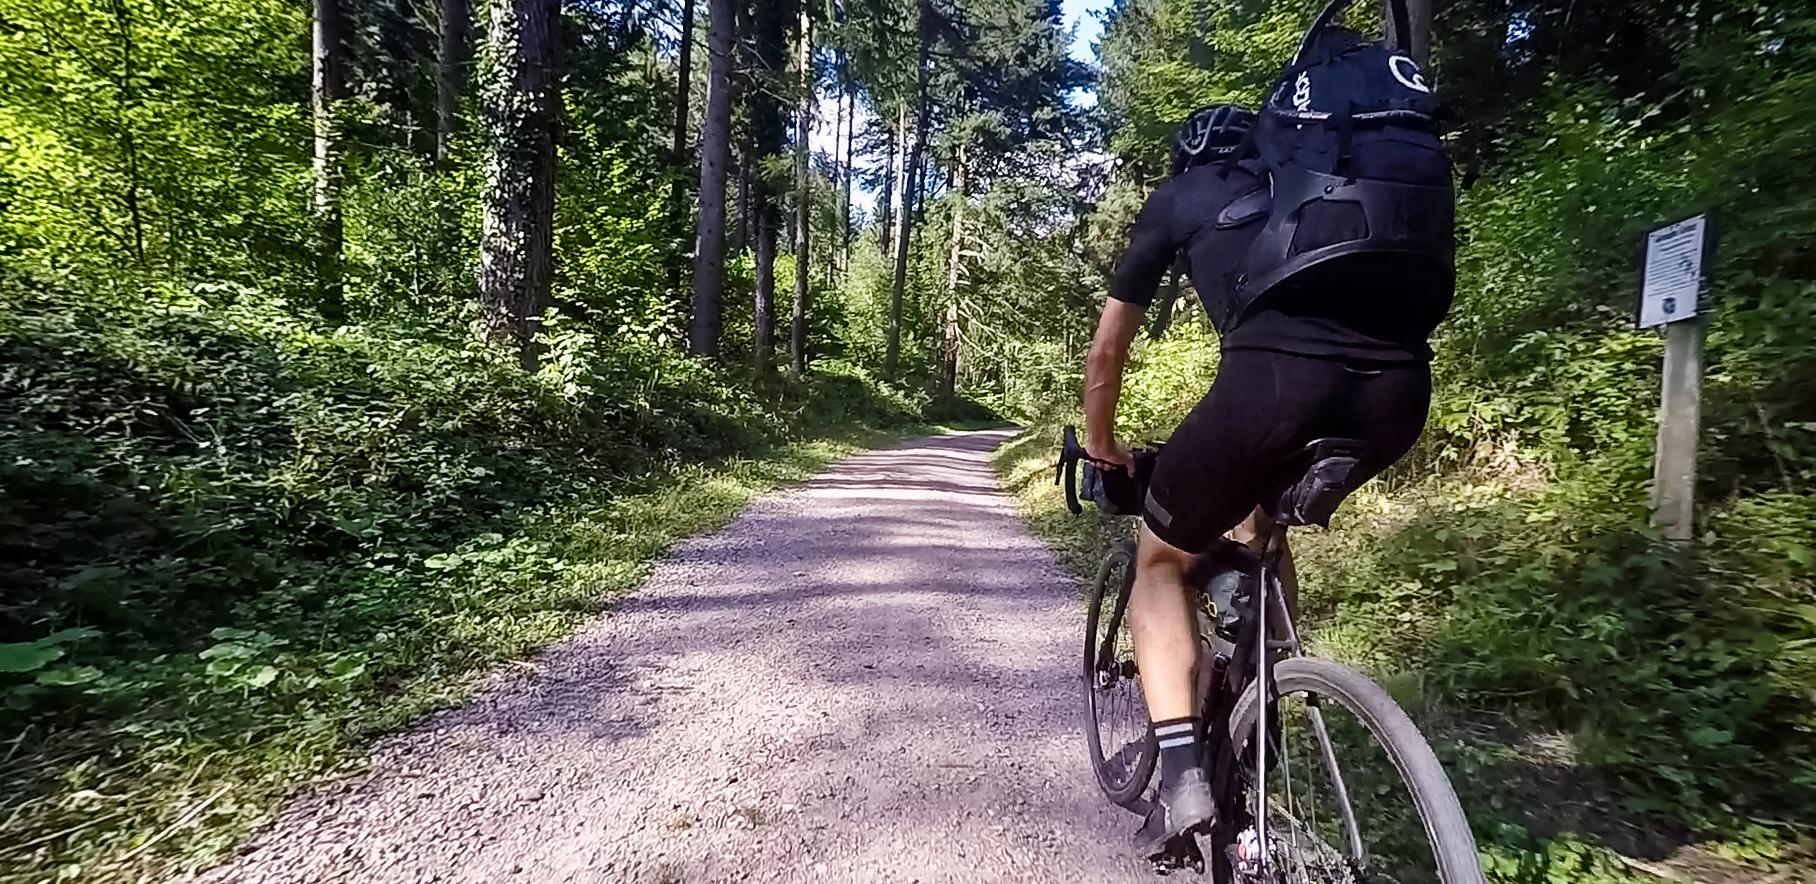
1310	317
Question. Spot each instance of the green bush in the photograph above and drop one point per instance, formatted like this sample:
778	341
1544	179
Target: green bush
1686	675
167	461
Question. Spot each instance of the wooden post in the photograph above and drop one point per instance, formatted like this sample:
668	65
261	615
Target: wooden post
1679	423
1674	290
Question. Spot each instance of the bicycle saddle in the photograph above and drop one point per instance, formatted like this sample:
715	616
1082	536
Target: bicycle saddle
1326	481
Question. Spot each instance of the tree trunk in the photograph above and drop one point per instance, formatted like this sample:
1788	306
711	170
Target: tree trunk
767	232
767	123
851	116
741	234
127	99
678	163
684	80
904	230
920	186
838	132
518	101
455	15
898	143
329	88
703	328
949	341
742	68
797	327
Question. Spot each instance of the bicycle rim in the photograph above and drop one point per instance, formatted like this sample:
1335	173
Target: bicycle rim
1116	716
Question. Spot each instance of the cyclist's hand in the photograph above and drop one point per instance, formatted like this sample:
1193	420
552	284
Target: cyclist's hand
1111	453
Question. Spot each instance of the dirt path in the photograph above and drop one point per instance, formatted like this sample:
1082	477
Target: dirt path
867	678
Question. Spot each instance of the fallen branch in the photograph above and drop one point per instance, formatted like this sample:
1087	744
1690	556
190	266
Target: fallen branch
184	820
1653	869
21	848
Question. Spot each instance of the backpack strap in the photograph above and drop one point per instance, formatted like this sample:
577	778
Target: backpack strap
1401	37
1346	131
1331	10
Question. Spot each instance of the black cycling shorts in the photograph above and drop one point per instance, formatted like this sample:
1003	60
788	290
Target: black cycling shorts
1240	447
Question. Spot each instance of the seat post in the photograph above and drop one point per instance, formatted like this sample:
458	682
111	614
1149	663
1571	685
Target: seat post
1274	546
1275	596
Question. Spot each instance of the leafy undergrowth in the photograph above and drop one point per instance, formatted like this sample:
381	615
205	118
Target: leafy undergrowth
234	549
1607	712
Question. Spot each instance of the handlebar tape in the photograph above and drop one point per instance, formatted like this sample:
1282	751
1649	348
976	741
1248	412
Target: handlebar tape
1070	453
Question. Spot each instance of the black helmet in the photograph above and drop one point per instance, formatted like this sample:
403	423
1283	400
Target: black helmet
1212	132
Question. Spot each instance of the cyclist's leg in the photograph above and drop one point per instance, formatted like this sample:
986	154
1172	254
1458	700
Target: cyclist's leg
1203	484
1384	407
1166	654
1160	618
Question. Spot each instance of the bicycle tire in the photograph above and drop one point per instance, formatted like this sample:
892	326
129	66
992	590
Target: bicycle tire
1110	591
1446	826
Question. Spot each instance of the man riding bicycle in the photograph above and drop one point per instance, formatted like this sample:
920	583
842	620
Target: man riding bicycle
1319	356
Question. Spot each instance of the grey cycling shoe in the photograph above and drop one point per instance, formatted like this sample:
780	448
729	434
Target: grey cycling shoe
1187	807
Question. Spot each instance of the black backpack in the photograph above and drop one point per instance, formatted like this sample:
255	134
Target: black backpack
1361	184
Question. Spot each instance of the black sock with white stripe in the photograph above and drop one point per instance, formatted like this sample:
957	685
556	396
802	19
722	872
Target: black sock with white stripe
1179	747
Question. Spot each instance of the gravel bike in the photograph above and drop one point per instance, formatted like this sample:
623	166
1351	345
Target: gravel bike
1307	755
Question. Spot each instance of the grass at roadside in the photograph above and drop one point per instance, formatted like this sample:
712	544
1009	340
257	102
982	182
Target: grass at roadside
300	694
1540	814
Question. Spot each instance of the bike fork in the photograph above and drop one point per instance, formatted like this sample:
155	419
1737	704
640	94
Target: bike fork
1273	599
1260	739
1268	595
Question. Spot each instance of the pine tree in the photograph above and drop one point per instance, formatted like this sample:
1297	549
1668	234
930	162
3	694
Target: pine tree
703	330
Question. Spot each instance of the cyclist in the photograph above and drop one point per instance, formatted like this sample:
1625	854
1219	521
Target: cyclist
1319	357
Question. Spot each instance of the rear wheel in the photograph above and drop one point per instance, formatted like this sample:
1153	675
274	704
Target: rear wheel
1116	717
1355	794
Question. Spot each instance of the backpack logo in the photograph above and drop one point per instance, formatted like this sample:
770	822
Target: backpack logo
1302	91
1406	71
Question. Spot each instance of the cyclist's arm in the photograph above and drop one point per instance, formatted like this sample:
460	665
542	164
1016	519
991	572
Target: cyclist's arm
1116	330
1152	247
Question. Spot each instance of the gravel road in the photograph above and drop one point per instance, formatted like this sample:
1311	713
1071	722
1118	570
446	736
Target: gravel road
869	677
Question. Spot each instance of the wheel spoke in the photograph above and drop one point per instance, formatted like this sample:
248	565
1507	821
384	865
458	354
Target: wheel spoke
1313	834
1303	853
1118	719
1339	790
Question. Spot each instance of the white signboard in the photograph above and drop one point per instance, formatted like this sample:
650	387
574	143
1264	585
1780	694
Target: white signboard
1674	272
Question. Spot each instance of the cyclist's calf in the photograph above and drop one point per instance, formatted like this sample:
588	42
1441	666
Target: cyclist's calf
1166	640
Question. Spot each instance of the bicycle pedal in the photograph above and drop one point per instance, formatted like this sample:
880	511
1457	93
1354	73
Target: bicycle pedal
1180	852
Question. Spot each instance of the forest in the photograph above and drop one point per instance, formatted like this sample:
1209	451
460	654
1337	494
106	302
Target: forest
351	347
